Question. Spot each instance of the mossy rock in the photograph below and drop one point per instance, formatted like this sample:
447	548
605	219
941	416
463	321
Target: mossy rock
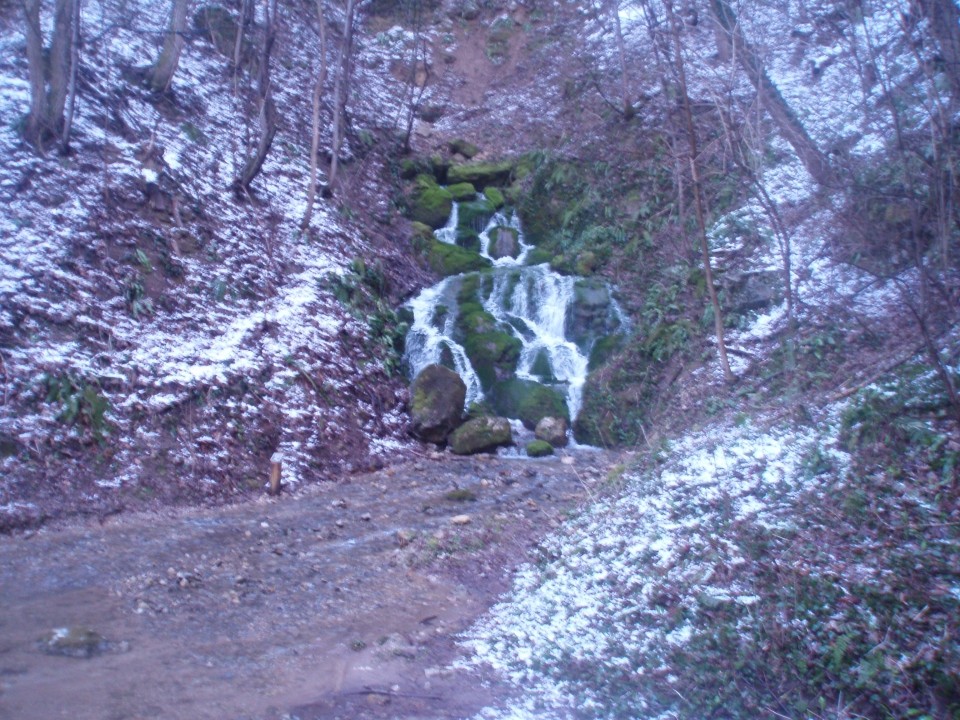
462	191
539	448
463	147
538	256
474	215
430	204
469	290
528	401
421	236
436	406
468	238
603	349
411	167
482	434
473	319
481	174
541	367
77	642
494	197
494	355
447	259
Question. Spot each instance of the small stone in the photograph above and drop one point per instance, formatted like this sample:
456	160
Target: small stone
365	517
460	520
567	460
76	642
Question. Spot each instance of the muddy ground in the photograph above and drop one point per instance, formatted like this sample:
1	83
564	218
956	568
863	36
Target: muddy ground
335	601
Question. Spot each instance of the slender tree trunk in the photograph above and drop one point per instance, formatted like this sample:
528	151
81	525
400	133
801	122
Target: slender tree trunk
37	118
72	87
340	95
315	138
268	116
162	75
698	194
628	110
246	6
60	53
783	116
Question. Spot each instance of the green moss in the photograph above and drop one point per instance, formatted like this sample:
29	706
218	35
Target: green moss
468	238
541	367
411	167
430	204
462	147
421	236
494	197
538	256
469	290
539	448
481	435
474	215
481	174
446	259
528	401
494	355
462	191
474	319
603	349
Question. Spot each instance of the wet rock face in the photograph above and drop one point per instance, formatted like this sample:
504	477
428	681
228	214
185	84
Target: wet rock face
529	401
504	242
552	430
590	311
481	435
437	395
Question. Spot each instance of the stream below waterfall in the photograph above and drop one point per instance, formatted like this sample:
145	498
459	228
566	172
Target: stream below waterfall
511	321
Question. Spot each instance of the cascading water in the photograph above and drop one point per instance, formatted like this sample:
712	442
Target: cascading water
548	314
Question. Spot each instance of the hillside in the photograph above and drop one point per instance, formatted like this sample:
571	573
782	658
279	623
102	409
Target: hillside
767	189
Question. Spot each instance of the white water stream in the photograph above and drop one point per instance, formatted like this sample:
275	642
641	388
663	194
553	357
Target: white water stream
531	302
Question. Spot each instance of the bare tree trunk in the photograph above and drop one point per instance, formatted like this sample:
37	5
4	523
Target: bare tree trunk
698	195
315	138
72	88
37	118
944	20
60	52
340	95
628	109
783	116
162	75
246	7
268	110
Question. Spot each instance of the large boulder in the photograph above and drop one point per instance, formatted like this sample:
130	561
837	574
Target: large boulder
504	242
481	434
753	290
589	315
447	259
528	401
552	430
437	397
462	191
481	174
429	203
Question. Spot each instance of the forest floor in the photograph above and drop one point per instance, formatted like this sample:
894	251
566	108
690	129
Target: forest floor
338	600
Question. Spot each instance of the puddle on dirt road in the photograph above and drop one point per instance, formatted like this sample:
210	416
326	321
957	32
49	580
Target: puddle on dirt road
341	600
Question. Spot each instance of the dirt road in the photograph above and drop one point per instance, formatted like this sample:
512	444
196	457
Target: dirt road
338	601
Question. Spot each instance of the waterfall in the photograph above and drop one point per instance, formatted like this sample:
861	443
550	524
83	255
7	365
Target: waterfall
531	303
